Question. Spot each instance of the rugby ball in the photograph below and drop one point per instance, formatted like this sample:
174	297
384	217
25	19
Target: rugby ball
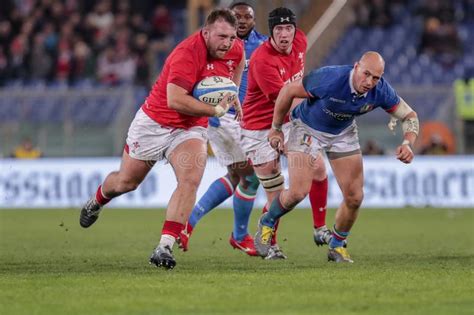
211	90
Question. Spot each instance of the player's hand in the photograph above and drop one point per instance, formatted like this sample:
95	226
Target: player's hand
239	114
276	140
392	124
223	107
405	153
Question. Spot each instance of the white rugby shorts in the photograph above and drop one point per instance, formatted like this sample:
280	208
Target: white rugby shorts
226	141
256	146
303	138
149	141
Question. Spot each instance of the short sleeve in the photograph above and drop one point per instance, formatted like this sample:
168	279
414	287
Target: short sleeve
315	83
389	98
183	70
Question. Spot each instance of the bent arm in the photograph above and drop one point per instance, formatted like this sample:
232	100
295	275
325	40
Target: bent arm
179	100
285	99
410	123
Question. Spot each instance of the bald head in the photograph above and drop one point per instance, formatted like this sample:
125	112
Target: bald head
374	60
368	71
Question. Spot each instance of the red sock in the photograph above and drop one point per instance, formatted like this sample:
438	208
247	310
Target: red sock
189	228
318	196
172	228
99	196
274	237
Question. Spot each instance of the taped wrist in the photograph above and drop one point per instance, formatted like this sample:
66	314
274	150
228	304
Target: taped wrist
411	125
272	182
277	127
220	111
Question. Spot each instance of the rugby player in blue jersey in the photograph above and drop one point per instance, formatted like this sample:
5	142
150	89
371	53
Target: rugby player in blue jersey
325	121
224	136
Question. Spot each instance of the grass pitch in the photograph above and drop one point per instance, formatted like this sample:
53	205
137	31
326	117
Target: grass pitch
407	261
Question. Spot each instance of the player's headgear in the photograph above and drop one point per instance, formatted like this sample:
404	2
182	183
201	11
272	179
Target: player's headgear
280	16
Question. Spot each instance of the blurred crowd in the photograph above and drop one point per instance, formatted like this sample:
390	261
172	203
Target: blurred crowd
72	41
440	38
440	19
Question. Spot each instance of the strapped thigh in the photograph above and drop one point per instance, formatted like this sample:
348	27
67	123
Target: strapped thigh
273	182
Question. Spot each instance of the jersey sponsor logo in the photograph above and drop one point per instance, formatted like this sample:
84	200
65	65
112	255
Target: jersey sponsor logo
366	108
333	99
338	116
296	76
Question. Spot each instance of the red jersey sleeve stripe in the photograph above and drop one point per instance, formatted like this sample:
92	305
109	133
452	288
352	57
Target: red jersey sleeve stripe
182	83
394	108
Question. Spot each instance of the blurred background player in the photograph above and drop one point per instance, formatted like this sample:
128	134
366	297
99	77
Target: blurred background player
26	150
325	120
171	125
277	62
224	136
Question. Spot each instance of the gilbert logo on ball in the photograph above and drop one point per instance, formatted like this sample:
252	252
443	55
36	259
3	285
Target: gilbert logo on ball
211	90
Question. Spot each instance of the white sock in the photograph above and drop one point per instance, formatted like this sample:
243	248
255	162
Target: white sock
167	240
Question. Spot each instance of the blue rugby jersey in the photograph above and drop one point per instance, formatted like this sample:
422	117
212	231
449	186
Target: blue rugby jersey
251	43
253	40
334	103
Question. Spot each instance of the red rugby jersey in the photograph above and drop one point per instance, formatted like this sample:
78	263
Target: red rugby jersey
268	71
188	64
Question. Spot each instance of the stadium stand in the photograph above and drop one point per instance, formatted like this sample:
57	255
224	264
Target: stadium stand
423	77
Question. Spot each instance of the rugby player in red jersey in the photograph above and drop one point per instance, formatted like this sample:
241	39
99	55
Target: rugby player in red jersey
171	125
275	63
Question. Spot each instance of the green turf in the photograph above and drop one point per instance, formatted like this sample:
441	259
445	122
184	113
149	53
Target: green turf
410	261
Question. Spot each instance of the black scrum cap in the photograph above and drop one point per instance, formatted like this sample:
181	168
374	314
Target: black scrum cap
280	16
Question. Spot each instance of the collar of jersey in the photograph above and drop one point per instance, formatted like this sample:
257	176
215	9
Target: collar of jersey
353	91
250	34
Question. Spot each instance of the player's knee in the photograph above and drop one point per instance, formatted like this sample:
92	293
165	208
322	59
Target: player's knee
189	184
354	199
271	183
